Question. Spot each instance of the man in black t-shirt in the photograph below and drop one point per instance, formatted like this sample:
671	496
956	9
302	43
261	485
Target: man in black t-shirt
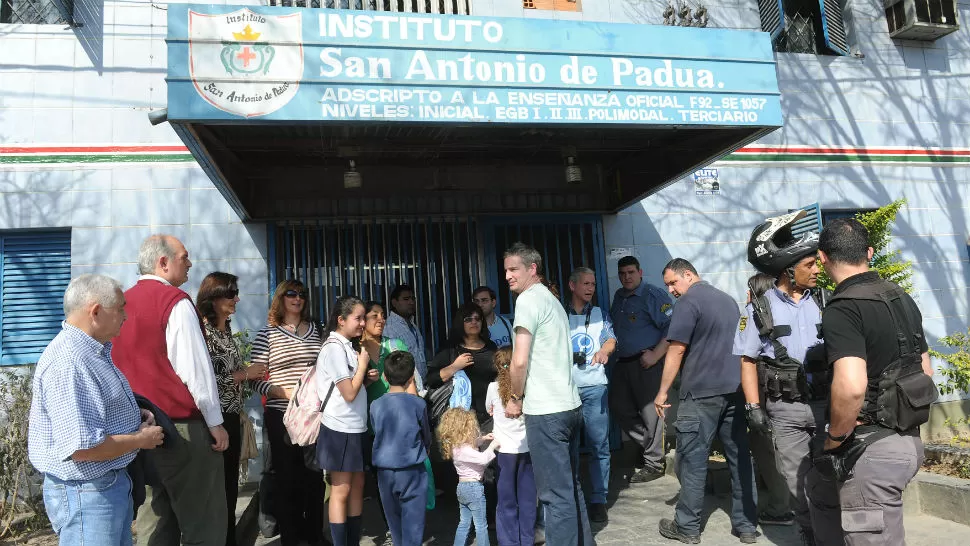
863	342
701	336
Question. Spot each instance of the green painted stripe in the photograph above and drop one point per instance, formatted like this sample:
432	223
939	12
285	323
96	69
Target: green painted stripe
845	158
107	158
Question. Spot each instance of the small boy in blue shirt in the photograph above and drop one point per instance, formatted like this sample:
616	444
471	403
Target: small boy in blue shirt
402	437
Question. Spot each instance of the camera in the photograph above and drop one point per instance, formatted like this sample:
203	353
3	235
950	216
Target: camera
579	359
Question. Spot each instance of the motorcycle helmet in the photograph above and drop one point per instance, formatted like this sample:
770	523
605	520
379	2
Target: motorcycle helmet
773	248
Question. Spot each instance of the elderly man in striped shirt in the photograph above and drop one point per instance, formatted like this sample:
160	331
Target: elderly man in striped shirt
85	426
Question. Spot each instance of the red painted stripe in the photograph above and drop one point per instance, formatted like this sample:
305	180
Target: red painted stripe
859	151
90	149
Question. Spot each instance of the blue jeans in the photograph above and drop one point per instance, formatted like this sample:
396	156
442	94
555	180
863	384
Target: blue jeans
596	423
96	512
471	507
698	421
554	444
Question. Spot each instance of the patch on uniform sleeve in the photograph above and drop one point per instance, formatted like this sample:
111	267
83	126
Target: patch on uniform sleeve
666	309
743	324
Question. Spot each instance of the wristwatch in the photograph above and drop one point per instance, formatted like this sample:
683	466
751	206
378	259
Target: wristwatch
839	439
516	397
749	406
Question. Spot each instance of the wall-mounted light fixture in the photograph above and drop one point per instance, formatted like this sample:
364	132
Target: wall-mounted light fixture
574	175
352	178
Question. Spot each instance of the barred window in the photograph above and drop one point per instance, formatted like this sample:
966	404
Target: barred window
528	4
32	12
805	26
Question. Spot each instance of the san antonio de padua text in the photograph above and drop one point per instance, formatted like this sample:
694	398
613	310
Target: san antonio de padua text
468	69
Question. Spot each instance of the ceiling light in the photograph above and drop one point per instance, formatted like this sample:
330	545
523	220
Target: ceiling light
352	178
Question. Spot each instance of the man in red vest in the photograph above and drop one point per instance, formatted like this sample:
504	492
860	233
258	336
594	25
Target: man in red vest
161	350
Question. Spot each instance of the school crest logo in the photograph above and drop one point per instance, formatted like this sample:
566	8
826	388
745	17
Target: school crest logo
246	63
666	309
743	324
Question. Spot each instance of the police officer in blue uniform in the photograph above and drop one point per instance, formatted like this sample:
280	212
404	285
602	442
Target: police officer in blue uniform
641	314
776	338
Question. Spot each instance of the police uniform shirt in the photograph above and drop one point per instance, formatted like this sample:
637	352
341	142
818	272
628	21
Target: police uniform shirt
803	316
501	331
864	329
588	338
640	318
705	320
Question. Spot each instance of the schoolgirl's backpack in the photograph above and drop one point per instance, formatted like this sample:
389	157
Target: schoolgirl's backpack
303	412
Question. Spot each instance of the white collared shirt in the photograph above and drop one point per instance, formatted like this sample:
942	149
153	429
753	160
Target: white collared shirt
338	362
189	356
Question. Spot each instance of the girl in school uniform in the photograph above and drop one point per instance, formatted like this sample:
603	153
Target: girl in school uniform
342	373
515	515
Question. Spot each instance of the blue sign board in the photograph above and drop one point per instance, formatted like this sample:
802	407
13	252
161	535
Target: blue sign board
297	64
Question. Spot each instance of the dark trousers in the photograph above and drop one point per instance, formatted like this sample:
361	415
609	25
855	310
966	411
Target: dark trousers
404	494
190	505
554	440
230	459
299	491
632	391
515	515
698	421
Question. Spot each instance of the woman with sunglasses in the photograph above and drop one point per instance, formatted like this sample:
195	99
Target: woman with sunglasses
216	301
288	345
468	348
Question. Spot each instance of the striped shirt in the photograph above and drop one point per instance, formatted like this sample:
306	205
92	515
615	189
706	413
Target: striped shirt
287	355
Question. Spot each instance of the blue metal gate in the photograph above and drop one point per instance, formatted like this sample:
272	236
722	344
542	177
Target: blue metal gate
444	259
439	257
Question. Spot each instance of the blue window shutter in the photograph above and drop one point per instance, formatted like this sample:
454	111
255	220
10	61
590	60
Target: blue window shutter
811	222
772	17
35	269
833	26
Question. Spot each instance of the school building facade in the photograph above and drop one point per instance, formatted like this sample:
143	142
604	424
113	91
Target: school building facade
291	140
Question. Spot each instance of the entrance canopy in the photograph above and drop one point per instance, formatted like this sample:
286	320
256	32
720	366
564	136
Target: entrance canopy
287	109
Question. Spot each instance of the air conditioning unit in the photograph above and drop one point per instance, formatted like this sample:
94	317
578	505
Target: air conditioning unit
924	20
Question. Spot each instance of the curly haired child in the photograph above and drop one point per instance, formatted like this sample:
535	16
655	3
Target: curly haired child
459	437
515	515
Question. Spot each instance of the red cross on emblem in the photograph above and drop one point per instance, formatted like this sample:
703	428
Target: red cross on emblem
245	56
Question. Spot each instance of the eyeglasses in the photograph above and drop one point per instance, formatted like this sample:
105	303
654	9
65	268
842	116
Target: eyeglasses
473	318
230	294
295	294
481	300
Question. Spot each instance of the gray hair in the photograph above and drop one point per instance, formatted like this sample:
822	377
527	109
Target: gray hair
90	289
579	272
526	253
153	248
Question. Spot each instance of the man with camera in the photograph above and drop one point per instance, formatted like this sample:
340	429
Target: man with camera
591	335
881	392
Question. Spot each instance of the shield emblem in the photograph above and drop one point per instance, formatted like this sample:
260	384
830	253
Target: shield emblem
246	63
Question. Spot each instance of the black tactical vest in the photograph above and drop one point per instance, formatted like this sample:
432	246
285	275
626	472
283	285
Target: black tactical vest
900	397
784	376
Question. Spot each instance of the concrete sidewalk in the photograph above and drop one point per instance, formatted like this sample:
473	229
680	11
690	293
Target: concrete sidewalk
636	511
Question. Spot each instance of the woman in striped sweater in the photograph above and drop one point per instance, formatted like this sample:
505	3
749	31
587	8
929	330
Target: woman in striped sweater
288	345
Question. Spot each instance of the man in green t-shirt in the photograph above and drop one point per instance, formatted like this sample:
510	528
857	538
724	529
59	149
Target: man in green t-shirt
543	389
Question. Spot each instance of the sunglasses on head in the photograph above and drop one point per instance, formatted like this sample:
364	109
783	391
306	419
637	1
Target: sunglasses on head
473	318
293	294
230	294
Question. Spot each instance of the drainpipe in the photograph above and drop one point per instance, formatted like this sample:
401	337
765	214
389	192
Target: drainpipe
157	117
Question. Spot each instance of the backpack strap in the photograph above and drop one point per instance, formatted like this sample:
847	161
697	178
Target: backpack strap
323	403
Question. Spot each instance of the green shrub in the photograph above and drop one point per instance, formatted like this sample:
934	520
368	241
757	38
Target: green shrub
957	370
887	262
21	504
